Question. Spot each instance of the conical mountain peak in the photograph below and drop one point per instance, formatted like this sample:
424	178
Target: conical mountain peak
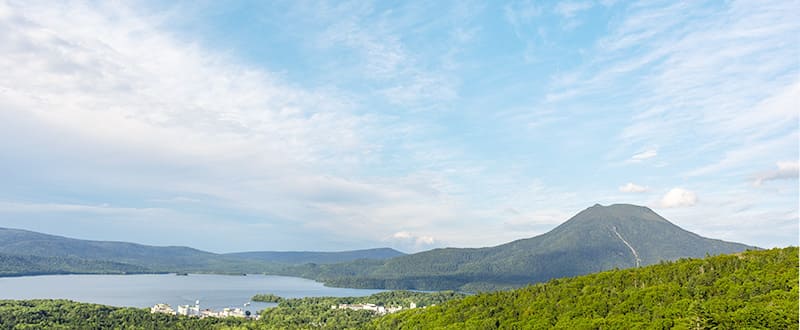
616	213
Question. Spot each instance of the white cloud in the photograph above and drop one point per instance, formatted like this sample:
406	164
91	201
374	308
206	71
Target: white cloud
631	187
644	155
401	235
785	171
407	241
117	103
678	197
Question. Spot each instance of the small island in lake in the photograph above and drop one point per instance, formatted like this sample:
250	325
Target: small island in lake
267	297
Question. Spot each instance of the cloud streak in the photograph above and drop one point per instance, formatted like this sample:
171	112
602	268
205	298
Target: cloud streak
785	171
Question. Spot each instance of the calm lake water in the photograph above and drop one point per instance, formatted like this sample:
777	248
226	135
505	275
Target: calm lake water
213	291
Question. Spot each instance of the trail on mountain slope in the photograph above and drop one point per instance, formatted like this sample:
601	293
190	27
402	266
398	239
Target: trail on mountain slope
635	254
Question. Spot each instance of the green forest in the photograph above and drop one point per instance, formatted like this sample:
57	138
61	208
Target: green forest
64	314
754	289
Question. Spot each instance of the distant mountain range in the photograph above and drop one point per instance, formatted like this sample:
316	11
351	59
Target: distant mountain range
596	239
25	252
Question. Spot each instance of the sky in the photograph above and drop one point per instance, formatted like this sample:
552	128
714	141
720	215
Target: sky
313	125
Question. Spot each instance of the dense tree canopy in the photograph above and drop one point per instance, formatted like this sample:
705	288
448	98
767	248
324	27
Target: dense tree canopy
755	289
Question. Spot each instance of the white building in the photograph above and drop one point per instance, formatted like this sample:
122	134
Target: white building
189	310
162	308
369	307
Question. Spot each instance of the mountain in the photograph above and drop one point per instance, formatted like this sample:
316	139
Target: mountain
153	258
596	239
751	290
28	252
304	257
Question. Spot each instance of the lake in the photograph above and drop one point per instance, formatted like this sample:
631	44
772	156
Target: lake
213	291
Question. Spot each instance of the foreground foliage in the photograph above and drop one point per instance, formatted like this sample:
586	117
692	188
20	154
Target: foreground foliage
755	289
316	312
65	314
302	313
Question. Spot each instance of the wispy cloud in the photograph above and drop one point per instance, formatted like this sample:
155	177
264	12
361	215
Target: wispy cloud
135	109
644	155
309	118
785	171
404	77
675	58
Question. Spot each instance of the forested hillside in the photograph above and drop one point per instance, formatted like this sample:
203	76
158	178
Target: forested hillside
19	265
153	258
754	289
24	252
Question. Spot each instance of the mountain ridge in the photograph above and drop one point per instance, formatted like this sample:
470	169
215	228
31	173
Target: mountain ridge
41	251
595	239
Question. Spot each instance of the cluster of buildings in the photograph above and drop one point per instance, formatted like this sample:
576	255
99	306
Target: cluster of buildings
381	310
195	311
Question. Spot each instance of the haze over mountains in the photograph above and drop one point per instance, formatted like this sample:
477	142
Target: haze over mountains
596	239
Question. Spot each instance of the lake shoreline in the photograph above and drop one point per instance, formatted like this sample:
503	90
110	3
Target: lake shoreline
145	290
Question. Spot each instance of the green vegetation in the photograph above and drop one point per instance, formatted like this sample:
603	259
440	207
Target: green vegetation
755	289
19	265
290	314
267	297
316	312
64	314
596	239
406	298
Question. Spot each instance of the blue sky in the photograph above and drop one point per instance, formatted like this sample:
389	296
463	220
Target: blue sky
250	125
